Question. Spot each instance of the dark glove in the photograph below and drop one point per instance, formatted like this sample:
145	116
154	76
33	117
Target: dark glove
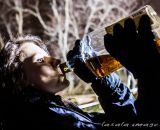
136	50
75	60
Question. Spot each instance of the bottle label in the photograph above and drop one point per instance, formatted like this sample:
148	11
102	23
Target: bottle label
135	16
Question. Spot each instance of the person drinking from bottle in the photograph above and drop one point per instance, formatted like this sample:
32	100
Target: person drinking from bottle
29	85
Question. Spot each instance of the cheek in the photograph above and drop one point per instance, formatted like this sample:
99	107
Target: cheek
48	71
37	74
28	73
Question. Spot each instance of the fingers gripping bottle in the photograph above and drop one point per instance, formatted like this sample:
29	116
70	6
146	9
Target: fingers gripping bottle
94	54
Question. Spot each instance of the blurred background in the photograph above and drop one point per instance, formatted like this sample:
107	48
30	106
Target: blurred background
59	23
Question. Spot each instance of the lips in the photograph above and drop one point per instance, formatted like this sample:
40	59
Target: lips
62	79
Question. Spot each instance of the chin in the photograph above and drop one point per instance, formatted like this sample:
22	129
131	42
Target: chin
66	82
62	86
63	81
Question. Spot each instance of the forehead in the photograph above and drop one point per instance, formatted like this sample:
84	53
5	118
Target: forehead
29	48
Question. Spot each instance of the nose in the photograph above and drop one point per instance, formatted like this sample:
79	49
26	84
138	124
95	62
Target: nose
56	62
53	61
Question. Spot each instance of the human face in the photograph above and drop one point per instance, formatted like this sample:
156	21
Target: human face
40	69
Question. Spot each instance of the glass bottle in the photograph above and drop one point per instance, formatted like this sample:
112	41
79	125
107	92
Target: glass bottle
94	54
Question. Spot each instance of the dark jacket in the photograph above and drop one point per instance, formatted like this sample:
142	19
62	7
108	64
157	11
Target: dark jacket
38	110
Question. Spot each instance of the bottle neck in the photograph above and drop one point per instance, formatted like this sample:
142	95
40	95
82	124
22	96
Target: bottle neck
65	68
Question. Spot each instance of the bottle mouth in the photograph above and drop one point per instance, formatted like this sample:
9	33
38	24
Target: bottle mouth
64	68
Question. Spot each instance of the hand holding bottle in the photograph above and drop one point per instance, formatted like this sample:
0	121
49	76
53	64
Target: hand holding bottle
135	49
75	60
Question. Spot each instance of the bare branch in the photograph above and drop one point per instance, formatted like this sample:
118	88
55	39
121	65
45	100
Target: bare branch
8	27
40	18
1	42
30	12
66	27
19	15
